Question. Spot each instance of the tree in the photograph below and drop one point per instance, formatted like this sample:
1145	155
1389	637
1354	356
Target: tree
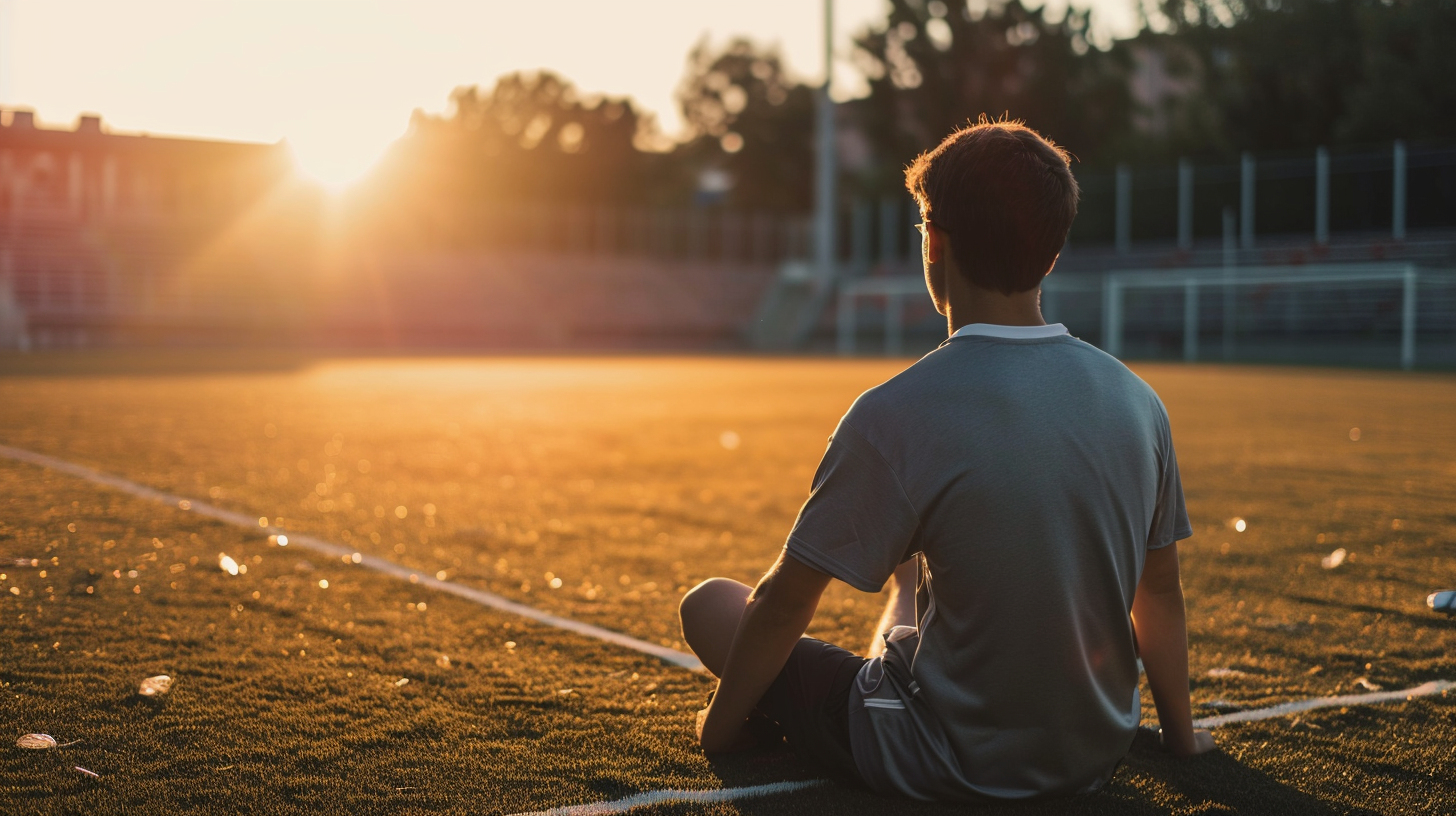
1292	74
1407	64
531	140
932	69
746	117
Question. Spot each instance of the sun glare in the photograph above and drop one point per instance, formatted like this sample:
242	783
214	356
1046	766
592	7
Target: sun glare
335	164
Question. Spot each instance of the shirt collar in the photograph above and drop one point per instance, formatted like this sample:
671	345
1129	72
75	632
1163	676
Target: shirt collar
1011	332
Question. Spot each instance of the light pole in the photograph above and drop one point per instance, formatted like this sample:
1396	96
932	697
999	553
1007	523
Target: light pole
824	165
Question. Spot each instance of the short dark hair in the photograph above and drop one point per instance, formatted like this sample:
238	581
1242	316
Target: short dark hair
1006	197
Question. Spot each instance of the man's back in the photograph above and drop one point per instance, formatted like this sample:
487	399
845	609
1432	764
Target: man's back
1031	474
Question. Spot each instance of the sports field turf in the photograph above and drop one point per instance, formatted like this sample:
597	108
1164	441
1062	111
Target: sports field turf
600	488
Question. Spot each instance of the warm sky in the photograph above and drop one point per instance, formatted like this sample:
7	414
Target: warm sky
338	78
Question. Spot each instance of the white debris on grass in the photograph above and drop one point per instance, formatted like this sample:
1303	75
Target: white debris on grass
85	772
1334	559
227	564
155	686
41	742
1364	683
1226	672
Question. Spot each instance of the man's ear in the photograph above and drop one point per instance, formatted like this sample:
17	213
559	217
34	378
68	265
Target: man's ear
935	240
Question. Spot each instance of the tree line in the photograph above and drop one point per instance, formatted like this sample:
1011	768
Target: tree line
1203	78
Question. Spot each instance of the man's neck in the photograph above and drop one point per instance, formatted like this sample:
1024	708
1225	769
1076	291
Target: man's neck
971	304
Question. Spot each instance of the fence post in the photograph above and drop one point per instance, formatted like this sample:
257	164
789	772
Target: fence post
1112	315
1397	207
1322	196
845	322
1408	320
1124	209
1246	201
1228	314
1190	320
1185	204
1230	248
894	330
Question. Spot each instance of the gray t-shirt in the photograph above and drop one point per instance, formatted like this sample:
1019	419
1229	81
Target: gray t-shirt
1030	473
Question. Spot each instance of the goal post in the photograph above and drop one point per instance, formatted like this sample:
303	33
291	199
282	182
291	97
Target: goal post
895	290
1326	290
1363	314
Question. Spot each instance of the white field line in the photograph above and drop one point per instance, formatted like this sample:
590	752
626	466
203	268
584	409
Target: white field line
1300	706
328	548
660	797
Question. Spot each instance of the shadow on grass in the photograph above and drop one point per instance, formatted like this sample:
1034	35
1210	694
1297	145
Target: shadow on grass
1417	619
1149	782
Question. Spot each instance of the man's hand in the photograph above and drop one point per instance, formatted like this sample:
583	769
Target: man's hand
717	743
1202	743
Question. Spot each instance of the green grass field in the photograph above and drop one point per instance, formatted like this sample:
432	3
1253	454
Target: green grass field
601	488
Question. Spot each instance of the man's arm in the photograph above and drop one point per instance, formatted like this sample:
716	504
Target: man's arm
778	612
1159	620
900	607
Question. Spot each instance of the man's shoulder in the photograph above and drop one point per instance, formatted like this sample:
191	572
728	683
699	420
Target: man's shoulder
890	399
959	370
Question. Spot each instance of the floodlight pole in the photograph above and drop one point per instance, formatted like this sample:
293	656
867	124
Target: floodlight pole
824	167
1397	209
1322	196
1246	201
1123	209
1185	205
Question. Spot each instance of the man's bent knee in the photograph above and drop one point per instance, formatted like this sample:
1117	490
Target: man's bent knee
703	596
709	608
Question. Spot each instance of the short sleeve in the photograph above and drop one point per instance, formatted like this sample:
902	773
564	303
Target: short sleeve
1170	517
857	524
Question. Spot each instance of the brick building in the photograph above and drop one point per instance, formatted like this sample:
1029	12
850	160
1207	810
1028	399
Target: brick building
100	232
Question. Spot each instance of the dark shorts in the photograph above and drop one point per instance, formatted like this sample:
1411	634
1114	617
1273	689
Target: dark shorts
809	700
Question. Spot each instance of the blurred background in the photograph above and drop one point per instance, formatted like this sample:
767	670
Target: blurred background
1262	179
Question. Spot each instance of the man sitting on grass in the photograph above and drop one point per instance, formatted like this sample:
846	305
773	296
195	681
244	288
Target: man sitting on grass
1024	482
